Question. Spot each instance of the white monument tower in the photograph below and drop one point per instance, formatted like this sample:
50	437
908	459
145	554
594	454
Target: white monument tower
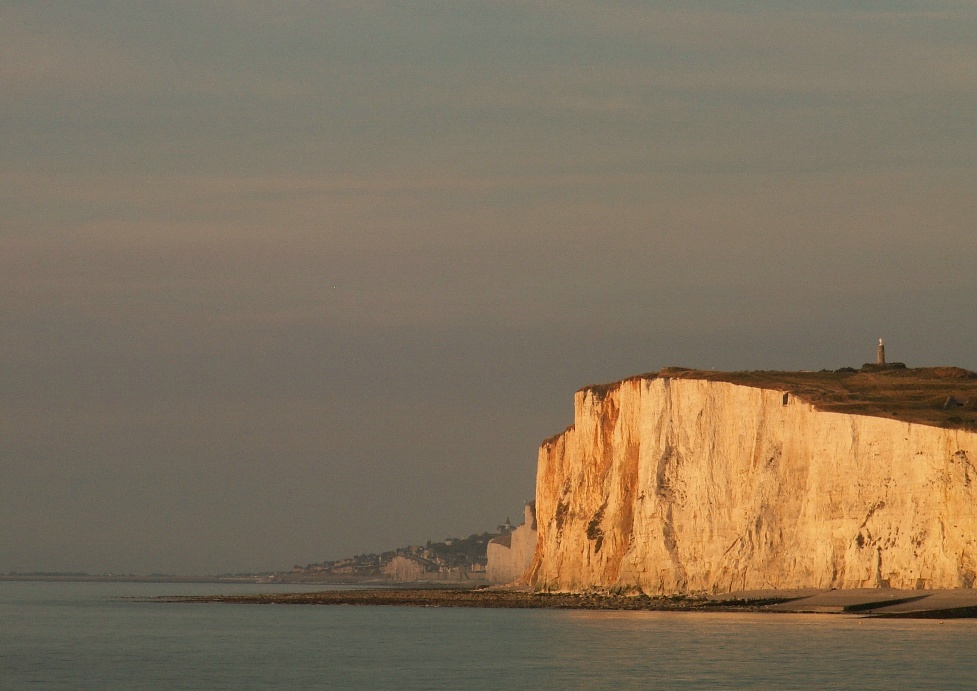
880	358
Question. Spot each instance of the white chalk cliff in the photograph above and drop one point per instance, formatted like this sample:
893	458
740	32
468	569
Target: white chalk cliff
509	556
672	485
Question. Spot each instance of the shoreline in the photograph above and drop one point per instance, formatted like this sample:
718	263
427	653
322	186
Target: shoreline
482	598
870	603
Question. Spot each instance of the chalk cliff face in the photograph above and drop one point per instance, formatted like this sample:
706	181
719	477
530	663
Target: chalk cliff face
680	485
511	555
405	570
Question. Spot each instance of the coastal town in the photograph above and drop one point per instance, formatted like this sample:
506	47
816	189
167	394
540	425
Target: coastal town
457	559
480	558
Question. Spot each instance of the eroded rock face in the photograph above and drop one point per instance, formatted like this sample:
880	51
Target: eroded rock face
407	569
683	486
511	556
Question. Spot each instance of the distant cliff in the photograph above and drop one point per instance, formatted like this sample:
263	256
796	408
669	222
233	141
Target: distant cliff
509	556
677	484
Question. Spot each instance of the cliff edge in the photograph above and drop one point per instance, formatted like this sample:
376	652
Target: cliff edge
690	482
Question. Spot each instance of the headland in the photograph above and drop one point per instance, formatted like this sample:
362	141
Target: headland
686	482
841	491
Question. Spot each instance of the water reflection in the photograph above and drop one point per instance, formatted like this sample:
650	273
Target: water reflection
84	635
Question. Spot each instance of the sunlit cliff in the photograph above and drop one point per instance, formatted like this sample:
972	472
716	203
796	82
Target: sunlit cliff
682	485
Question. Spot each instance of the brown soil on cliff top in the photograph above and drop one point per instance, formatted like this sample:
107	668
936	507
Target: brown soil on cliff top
917	395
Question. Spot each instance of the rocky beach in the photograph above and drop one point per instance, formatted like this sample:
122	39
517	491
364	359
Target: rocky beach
871	602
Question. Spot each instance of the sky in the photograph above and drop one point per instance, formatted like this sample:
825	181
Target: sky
286	282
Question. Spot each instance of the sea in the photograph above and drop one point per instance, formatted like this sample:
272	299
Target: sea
109	636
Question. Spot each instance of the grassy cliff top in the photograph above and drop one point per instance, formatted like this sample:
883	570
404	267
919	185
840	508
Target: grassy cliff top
918	395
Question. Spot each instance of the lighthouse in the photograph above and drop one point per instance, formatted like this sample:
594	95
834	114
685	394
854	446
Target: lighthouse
880	358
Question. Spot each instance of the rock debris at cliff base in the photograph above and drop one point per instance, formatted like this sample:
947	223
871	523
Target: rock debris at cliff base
867	603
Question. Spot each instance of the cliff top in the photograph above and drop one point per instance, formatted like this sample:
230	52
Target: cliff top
937	396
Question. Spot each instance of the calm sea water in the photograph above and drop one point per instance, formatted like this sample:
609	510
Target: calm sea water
87	635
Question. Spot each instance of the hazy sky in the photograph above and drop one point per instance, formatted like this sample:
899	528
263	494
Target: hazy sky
284	282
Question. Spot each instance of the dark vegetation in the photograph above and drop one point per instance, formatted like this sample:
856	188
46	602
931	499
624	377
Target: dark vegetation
460	555
937	396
